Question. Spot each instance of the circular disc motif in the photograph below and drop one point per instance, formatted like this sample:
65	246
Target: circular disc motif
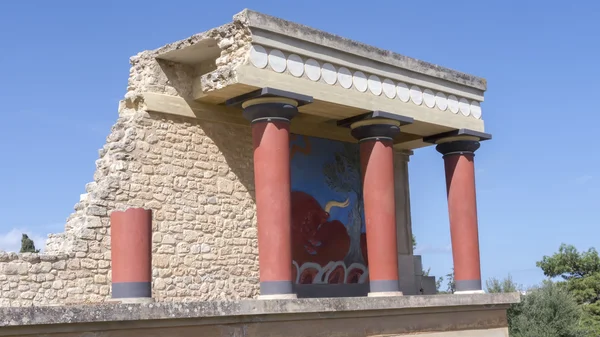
441	101
453	104
389	88
360	81
329	73
295	65
429	98
416	95
277	60
476	109
374	84
403	92
465	108
312	68
258	56
345	77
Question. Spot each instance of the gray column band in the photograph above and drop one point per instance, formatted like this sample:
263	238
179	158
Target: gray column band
467	285
131	289
276	287
379	286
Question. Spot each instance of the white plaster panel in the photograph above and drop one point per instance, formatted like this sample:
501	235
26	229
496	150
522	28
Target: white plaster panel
441	101
277	60
429	98
453	104
360	81
476	109
312	68
344	76
416	95
389	88
295	65
329	73
374	84
464	106
258	56
403	92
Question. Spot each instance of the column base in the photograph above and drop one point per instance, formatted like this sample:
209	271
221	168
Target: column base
132	300
278	297
385	294
469	292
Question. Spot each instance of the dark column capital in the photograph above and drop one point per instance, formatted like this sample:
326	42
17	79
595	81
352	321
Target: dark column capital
458	147
378	125
270	109
269	104
377	129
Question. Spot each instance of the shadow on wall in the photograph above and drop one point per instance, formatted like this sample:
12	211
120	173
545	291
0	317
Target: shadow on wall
328	236
233	142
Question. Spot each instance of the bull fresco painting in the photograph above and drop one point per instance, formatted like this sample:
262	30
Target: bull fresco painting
328	231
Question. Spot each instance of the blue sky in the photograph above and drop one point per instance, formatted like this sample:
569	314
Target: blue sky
65	67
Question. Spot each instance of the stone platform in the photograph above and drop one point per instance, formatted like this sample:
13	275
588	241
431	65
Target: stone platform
439	315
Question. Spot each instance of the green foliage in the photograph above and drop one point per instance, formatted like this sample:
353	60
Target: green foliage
568	263
548	311
27	245
581	274
438	284
506	285
449	283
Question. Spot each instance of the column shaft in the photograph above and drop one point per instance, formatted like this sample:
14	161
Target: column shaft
462	209
273	207
131	253
271	139
377	167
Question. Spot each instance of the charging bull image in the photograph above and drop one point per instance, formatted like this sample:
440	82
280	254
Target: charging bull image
328	239
319	243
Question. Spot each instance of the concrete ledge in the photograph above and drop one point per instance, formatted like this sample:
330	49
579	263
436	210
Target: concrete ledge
482	315
266	22
11	316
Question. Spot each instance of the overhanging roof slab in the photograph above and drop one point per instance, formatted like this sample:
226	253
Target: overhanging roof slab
346	78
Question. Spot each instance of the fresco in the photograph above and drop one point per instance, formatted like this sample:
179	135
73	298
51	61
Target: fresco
328	231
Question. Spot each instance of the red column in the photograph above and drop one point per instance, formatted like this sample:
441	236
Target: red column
131	254
462	210
377	167
270	136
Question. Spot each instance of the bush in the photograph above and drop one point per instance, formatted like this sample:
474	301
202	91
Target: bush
547	311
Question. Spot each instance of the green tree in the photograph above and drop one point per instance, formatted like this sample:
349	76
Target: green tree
506	285
568	263
27	245
548	311
450	286
580	272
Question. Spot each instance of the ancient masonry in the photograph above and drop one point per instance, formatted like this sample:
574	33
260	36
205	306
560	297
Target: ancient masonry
193	174
182	147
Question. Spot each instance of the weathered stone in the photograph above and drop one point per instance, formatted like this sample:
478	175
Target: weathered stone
73	264
191	173
58	284
89	264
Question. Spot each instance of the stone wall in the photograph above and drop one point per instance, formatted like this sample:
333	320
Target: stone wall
196	176
38	279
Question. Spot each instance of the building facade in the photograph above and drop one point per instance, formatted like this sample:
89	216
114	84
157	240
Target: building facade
274	160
